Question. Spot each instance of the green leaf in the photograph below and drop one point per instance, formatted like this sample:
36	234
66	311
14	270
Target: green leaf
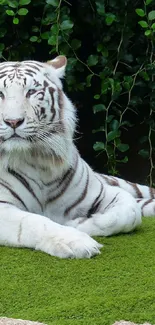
75	44
24	2
126	85
112	82
2	47
92	60
66	24
100	8
140	12
52	40
104	86
15	21
35	29
97	96
153	26
144	75
71	63
114	125
99	108
45	35
13	3
88	80
105	54
147	32
109	19
124	160
151	15
22	12
143	23
100	129
144	153
53	3
3	2
112	135
54	29
98	146
33	39
99	47
148	2
123	147
109	119
10	12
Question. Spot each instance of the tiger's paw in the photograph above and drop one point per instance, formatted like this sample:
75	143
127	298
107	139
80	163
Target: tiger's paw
69	243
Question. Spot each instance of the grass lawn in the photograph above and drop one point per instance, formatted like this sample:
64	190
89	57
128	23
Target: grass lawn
118	284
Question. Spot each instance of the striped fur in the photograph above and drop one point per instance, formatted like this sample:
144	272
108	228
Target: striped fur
50	199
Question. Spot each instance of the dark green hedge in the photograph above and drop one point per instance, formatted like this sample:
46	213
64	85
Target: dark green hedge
110	45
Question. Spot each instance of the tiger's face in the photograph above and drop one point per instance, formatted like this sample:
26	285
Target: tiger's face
32	114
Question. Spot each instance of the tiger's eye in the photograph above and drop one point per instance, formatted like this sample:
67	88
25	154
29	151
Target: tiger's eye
30	92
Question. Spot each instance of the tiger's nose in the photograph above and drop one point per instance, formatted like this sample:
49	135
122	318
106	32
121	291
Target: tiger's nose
14	123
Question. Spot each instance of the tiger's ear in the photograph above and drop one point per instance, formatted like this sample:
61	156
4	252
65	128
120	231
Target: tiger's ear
59	63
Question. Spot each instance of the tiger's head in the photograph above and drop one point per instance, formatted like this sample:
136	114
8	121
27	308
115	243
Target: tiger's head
35	114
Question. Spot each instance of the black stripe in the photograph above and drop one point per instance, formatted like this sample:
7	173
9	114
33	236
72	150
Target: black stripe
50	183
144	204
112	201
5	202
68	177
46	84
110	180
33	63
30	71
3	75
36	83
5	71
65	181
80	176
139	194
33	180
152	192
81	198
61	106
14	194
29	74
95	205
25	184
53	111
33	66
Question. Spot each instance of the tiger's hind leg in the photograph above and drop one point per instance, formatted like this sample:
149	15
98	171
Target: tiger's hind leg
119	213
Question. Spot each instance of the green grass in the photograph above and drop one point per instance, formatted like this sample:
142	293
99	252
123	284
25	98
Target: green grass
118	284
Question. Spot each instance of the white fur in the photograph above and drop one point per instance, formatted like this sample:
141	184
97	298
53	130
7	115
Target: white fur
62	187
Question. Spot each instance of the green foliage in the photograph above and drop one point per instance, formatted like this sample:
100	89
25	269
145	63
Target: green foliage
110	48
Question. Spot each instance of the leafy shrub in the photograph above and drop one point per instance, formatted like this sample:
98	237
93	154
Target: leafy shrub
110	45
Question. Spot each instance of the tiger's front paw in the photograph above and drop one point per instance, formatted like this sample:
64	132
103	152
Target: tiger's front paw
69	243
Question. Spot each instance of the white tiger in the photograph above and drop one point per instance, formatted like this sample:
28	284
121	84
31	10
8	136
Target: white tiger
50	199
